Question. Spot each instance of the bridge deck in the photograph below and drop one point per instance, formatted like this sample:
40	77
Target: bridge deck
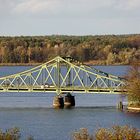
64	90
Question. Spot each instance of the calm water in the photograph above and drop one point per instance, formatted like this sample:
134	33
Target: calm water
34	115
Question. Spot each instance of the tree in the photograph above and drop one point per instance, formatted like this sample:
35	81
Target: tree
133	85
111	58
120	49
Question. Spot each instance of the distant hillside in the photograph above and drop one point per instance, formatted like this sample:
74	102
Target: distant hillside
106	49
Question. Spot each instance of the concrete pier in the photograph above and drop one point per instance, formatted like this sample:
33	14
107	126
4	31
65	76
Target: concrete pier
69	101
58	102
64	102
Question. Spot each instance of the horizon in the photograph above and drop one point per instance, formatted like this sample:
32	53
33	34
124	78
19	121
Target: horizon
70	35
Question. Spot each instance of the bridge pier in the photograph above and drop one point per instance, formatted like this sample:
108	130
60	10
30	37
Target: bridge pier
64	102
58	102
69	101
120	105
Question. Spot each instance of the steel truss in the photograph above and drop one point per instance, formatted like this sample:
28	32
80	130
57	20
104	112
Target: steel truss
60	75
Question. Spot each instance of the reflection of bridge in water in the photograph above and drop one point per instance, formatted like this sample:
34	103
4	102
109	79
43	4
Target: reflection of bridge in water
62	75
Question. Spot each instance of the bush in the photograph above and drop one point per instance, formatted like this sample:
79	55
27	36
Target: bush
82	134
113	133
10	134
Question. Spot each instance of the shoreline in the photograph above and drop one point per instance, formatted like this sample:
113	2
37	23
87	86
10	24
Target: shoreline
20	64
36	64
133	109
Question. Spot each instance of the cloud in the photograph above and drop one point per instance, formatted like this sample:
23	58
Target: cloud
69	8
60	7
128	5
6	7
69	16
34	6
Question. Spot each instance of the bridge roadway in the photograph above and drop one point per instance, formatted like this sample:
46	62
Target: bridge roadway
63	90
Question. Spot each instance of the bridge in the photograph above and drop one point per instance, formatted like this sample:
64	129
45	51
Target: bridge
62	75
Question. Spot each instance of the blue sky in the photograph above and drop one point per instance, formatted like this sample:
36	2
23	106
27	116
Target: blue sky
69	17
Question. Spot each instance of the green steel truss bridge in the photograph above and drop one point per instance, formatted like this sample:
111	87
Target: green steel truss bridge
61	76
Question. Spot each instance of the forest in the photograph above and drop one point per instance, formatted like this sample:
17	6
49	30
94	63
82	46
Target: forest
99	49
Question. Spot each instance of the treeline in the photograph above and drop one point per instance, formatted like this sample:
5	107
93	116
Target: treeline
107	49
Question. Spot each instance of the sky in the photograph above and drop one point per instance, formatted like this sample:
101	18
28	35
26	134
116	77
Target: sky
69	17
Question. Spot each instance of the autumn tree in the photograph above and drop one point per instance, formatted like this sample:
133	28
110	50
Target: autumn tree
133	85
109	49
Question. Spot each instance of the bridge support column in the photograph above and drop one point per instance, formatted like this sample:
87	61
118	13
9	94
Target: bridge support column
120	105
69	101
58	102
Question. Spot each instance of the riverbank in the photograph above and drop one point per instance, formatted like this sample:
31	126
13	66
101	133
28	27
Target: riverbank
133	109
95	63
20	64
102	62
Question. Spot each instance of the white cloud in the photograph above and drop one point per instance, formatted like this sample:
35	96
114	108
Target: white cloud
128	5
68	8
58	7
34	6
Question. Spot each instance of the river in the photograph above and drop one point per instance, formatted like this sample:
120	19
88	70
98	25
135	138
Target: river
34	115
